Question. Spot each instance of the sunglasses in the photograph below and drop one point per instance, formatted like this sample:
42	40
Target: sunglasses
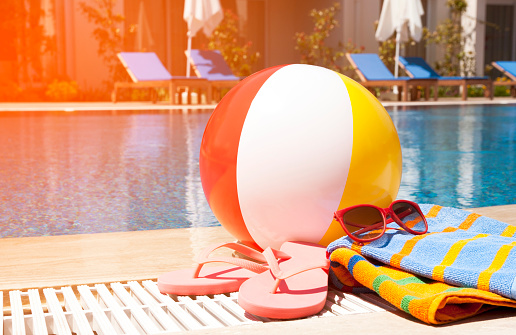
366	223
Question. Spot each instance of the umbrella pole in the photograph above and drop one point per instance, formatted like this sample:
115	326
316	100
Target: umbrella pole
189	50
396	56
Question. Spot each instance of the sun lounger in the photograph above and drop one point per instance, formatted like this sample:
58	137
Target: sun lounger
210	65
418	68
147	71
373	73
508	68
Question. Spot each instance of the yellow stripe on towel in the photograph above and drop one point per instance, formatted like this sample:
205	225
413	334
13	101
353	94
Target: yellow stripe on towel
509	231
498	261
451	256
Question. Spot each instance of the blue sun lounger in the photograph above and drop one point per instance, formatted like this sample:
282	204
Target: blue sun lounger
147	71
210	65
373	73
418	68
508	68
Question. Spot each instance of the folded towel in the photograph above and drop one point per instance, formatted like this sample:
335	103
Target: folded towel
428	300
461	249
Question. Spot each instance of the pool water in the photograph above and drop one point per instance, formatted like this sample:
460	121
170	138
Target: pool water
90	172
459	156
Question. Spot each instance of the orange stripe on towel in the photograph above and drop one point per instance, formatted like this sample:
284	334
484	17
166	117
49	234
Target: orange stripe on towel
407	249
356	247
469	221
410	224
432	213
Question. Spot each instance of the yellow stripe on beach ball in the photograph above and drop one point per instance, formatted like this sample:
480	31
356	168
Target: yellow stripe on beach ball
375	170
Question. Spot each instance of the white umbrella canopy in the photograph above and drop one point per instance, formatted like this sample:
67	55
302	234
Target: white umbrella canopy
201	14
402	17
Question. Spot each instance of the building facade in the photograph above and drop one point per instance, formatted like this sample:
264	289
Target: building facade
69	50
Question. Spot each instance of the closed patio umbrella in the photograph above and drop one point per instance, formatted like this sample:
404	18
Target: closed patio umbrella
402	17
205	14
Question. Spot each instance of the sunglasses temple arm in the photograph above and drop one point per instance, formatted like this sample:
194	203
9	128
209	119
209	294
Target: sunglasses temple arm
369	228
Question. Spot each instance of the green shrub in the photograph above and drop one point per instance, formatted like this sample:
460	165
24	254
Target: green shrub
108	33
476	91
313	48
9	91
237	53
502	91
450	35
62	90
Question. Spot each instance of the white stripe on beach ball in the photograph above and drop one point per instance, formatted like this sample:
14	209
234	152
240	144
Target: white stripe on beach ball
295	147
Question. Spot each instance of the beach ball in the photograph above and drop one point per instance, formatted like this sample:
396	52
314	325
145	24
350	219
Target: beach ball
288	146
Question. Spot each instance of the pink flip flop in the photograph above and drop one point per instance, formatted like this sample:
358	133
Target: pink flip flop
292	288
216	280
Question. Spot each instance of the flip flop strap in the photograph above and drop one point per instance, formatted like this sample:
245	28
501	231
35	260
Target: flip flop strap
279	275
251	265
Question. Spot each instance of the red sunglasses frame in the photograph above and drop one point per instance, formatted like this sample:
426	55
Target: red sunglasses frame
339	215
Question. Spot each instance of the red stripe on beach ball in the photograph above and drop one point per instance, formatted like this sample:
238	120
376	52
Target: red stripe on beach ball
218	156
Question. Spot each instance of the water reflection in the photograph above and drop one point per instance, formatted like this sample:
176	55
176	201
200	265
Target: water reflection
86	172
461	156
100	172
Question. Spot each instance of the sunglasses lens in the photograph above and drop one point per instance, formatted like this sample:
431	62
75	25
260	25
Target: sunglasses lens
410	216
364	222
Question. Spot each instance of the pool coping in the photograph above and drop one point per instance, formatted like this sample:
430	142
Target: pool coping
104	105
53	261
96	106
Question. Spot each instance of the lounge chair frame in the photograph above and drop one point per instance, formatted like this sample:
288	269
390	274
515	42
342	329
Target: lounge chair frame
404	84
462	82
173	85
511	83
216	85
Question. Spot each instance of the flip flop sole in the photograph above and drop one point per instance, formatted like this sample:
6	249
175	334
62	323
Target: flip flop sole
292	300
301	295
211	280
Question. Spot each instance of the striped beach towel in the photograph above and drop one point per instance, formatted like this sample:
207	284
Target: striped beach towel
428	300
461	249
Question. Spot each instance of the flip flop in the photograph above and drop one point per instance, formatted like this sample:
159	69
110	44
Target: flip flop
291	289
216	280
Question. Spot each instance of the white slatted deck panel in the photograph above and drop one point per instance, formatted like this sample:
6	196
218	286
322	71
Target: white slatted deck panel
39	326
139	309
18	322
60	323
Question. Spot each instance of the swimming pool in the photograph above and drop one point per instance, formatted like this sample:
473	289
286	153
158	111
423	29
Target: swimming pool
459	156
91	172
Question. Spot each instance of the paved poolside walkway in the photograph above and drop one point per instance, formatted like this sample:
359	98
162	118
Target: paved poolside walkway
55	261
50	261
